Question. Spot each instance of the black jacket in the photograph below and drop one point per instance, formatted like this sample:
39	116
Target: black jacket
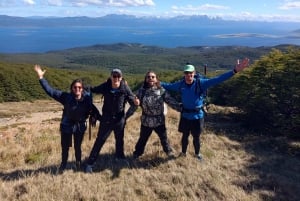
75	112
113	108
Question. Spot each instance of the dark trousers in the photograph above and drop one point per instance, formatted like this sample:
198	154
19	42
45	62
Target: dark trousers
104	131
66	142
144	136
194	127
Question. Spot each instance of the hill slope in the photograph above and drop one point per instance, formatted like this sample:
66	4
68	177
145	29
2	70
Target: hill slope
239	165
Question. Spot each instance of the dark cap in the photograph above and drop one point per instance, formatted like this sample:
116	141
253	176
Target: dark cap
116	71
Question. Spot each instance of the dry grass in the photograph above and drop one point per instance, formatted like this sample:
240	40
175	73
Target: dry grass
239	165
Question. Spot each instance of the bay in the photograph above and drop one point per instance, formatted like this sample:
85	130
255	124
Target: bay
43	39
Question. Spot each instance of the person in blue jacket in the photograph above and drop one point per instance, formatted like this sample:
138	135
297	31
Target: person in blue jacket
192	91
78	105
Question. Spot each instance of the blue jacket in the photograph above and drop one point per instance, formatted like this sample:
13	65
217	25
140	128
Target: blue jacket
75	112
191	98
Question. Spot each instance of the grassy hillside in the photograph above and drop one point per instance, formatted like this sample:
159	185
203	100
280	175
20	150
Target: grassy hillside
238	164
19	82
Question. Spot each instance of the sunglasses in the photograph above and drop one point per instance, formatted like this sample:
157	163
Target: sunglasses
77	87
150	76
187	72
116	76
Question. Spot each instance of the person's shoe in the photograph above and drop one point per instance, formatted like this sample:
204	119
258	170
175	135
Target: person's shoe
182	154
171	154
62	167
135	156
199	157
89	169
120	156
78	165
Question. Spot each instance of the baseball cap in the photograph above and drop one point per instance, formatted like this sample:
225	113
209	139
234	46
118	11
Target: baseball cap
189	68
117	71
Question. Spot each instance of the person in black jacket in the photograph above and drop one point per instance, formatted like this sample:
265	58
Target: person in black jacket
78	105
116	94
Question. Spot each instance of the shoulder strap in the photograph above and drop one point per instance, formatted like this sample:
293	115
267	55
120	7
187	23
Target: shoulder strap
198	89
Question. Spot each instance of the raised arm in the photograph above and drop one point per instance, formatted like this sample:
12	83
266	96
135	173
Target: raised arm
206	83
39	71
241	65
172	102
54	93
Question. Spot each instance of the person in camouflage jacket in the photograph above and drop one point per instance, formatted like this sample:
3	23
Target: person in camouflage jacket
152	101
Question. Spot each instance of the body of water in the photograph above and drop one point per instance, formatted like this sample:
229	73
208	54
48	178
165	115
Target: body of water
25	40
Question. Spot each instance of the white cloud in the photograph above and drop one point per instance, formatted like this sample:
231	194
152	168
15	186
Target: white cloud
55	2
29	2
204	7
114	3
290	5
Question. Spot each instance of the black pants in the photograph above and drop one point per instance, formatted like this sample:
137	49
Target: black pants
66	142
144	136
104	131
194	127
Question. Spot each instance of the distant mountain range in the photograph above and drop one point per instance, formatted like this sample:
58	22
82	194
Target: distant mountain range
133	21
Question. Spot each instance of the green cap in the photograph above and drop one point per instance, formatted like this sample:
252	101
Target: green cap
189	68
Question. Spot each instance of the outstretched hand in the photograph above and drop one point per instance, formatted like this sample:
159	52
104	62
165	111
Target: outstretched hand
136	101
39	71
241	65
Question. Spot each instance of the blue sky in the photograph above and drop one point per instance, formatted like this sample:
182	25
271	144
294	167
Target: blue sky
266	10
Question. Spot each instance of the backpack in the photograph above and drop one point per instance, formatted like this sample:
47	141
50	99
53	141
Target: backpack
198	90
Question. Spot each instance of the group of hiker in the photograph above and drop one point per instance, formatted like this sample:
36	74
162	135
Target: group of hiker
78	107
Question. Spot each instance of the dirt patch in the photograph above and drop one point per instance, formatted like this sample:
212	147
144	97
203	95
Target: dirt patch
28	112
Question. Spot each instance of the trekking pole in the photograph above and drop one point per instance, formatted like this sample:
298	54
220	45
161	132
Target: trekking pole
206	91
205	72
90	128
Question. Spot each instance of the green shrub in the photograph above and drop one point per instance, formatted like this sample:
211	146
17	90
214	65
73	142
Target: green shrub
268	92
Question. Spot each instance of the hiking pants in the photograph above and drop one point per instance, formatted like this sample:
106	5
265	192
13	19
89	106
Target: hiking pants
194	127
104	132
66	142
144	136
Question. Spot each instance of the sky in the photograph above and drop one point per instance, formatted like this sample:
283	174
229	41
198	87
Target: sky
262	10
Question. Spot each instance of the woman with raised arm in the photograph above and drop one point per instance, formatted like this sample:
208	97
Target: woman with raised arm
78	105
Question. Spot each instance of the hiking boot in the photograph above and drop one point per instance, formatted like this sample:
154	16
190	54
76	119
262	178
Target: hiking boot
62	168
170	154
199	157
182	154
120	156
89	169
78	165
135	156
